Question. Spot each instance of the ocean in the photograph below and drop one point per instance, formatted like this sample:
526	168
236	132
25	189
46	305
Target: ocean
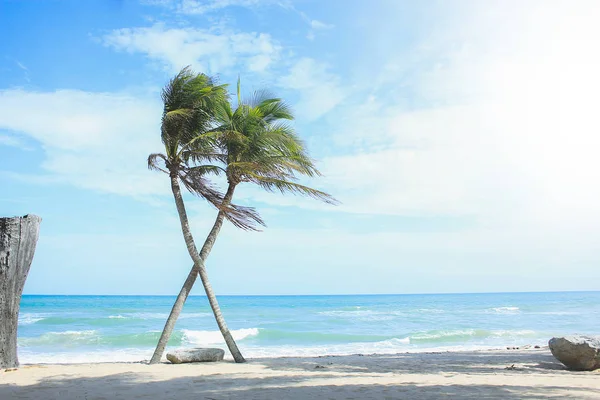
74	329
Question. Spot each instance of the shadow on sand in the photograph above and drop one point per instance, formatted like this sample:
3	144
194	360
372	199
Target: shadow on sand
380	377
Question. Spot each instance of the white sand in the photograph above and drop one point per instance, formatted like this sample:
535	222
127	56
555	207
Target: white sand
465	375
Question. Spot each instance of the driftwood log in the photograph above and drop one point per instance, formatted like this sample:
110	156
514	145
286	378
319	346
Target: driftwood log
18	238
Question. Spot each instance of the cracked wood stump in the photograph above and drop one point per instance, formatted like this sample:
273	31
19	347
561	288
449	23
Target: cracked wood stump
18	238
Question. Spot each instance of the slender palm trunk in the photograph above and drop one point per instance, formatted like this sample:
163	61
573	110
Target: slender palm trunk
197	269
212	298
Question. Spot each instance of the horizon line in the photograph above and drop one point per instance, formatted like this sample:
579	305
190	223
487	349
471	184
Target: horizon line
308	295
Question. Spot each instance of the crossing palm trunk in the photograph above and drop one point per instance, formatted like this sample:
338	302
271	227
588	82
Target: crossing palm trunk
197	269
18	239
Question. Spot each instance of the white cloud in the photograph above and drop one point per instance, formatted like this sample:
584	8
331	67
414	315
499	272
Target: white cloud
502	127
316	24
208	50
22	66
12	141
493	117
163	3
320	90
206	6
97	141
203	7
498	125
502	123
426	163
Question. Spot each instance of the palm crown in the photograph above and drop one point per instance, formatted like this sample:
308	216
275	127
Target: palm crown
257	145
203	135
190	101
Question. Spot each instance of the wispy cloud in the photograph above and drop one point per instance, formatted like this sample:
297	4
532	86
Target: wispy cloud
13	141
24	69
202	7
97	141
499	126
163	3
20	65
320	90
208	50
315	24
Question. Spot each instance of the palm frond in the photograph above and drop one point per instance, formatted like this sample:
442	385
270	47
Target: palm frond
282	165
253	142
274	110
281	138
154	160
262	147
208	169
197	156
259	97
189	102
223	136
246	218
196	183
180	113
239	91
223	113
194	180
273	185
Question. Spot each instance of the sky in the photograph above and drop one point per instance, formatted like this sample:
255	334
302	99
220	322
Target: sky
460	136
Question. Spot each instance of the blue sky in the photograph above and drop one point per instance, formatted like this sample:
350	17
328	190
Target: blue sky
460	137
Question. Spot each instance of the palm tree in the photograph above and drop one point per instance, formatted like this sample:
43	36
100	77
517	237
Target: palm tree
254	144
189	102
258	146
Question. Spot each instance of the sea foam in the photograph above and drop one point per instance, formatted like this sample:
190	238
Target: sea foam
30	318
505	310
215	337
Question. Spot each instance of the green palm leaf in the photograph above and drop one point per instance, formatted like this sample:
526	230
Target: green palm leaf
262	147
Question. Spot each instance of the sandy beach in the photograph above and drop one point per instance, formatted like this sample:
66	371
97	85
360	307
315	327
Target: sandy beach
505	374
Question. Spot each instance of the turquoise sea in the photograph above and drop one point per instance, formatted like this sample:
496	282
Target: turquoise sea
126	328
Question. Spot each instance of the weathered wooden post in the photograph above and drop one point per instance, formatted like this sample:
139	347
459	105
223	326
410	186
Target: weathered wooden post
18	238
